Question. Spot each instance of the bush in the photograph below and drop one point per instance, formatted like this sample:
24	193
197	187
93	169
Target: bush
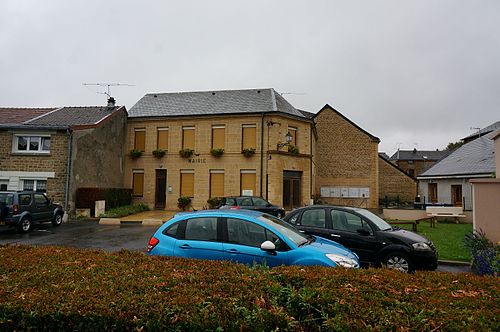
159	153
293	149
54	289
217	152
214	202
485	255
126	210
135	153
186	153
183	202
114	197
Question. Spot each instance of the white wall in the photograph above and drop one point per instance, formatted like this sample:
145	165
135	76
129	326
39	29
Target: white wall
444	190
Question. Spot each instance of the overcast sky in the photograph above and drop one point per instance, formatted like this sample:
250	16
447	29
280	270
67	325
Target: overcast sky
413	73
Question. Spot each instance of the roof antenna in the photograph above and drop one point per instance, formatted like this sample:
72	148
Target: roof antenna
107	92
478	131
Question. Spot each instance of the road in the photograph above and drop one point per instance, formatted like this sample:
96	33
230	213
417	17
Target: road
111	238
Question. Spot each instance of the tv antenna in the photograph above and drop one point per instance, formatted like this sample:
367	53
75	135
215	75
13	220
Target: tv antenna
107	86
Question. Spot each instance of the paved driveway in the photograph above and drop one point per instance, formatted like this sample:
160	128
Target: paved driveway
89	234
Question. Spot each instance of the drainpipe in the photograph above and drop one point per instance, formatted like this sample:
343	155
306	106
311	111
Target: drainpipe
68	173
261	152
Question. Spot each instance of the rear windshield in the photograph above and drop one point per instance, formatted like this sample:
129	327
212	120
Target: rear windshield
7	199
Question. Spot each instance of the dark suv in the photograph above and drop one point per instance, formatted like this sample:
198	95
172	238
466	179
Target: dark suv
251	203
22	208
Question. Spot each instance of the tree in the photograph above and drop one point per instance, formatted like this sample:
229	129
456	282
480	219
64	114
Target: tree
453	146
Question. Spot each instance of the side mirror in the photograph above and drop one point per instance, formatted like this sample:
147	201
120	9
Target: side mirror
267	246
363	232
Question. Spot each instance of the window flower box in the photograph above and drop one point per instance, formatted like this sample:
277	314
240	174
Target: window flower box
248	152
186	153
135	153
159	153
217	152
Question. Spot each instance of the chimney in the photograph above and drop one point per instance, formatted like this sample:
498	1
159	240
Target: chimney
111	102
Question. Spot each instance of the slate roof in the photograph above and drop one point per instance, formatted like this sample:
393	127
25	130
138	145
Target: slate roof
12	115
474	158
483	131
308	115
414	155
383	155
75	116
202	103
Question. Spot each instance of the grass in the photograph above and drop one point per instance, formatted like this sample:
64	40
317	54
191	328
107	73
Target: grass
448	238
125	210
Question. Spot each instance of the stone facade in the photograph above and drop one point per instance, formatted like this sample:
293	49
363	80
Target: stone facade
346	157
395	183
268	162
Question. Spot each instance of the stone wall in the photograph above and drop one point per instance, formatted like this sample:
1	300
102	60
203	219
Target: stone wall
394	183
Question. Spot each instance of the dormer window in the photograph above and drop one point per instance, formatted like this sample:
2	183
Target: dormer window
31	144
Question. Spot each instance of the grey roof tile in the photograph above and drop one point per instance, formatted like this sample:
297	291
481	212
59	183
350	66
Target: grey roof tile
212	103
12	115
419	155
476	157
74	116
483	131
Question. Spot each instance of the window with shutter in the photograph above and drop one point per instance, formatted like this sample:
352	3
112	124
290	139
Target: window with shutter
249	137
188	138
216	183
187	183
162	139
293	133
138	183
140	139
218	137
247	182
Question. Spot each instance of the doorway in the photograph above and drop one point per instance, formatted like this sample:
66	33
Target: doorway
292	184
433	192
456	195
161	189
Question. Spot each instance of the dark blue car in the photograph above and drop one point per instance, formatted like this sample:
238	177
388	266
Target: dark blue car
248	237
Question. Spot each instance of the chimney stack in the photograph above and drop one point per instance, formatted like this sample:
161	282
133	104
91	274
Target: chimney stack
111	102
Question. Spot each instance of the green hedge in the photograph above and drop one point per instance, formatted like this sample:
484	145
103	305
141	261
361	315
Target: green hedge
52	288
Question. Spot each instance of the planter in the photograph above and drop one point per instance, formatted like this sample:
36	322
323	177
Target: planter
186	153
135	153
183	202
217	152
159	153
248	152
293	149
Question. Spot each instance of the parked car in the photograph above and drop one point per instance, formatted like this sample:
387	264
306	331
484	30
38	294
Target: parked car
251	203
370	237
248	237
23	208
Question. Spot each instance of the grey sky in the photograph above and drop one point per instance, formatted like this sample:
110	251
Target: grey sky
410	72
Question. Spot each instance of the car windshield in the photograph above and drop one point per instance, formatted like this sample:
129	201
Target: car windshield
287	230
379	222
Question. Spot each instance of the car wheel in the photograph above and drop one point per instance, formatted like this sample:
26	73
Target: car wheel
25	225
57	219
398	261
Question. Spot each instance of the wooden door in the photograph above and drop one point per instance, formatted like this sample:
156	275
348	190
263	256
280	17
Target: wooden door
292	189
456	195
161	188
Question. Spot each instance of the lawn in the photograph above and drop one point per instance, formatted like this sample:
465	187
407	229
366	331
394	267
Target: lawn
448	238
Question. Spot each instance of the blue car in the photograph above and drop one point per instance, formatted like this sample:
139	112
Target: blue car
248	237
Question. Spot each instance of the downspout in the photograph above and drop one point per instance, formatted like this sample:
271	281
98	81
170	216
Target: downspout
68	173
311	193
261	152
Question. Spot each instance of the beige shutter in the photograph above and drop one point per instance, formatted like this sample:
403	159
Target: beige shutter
162	143
188	138
218	137
249	137
248	182
140	140
187	184
216	184
137	183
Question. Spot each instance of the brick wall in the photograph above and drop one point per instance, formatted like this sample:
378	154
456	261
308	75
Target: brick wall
345	156
394	183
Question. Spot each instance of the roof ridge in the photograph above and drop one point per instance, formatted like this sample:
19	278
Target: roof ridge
206	91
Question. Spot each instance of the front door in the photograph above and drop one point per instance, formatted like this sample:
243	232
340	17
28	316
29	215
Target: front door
433	192
161	188
456	195
291	189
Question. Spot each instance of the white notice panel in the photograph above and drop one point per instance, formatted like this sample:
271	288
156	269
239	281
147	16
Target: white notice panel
364	192
325	192
335	192
344	192
353	192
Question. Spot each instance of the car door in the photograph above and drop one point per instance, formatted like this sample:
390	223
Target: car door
243	241
314	221
43	210
355	233
199	239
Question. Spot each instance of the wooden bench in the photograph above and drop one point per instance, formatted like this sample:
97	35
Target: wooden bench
444	211
409	222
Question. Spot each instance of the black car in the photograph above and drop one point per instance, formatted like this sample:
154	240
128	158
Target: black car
370	237
22	208
251	203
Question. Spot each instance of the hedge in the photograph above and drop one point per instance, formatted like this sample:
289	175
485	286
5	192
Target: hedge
114	197
53	288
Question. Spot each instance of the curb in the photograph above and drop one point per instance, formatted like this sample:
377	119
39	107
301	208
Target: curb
118	221
454	263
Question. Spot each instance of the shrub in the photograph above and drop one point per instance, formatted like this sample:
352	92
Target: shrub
114	197
126	210
186	153
293	149
54	289
183	202
159	153
485	255
217	152
248	152
135	153
213	202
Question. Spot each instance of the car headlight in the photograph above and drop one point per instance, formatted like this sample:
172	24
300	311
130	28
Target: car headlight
343	260
421	246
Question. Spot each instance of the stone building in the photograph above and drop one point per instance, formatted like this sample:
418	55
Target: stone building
394	183
415	162
212	130
346	159
57	150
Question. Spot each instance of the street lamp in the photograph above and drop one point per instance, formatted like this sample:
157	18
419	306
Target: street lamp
288	139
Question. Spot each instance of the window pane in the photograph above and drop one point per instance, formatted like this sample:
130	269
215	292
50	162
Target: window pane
28	184
203	229
162	140
140	140
34	143
40	199
24	199
187	184
247	201
172	230
137	184
257	201
216	184
249	137
293	133
22	143
218	138
45	143
245	233
41	186
314	218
